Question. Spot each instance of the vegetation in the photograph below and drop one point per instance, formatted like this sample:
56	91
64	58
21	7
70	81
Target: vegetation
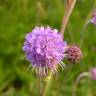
17	17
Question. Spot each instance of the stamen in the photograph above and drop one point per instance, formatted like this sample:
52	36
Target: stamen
44	71
55	69
33	67
36	70
65	55
62	65
40	69
29	67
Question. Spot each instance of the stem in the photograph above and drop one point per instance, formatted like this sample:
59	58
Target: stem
81	33
87	21
82	75
68	11
40	86
48	83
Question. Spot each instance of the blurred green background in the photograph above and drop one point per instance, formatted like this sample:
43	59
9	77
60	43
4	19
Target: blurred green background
18	17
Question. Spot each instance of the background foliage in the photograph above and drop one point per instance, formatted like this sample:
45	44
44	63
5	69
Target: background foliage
17	17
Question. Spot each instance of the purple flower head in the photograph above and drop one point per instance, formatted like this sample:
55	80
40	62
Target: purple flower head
74	53
93	73
93	20
44	48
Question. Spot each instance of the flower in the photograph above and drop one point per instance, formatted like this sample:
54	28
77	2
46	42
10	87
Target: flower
93	73
44	48
73	53
93	20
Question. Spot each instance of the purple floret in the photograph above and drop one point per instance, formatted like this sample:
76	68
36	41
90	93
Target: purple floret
93	73
93	20
44	47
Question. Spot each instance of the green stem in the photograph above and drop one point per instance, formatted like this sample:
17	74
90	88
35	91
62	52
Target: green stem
40	86
68	11
86	23
48	83
82	75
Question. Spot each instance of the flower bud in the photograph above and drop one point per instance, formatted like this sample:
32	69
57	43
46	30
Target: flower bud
73	53
93	19
93	73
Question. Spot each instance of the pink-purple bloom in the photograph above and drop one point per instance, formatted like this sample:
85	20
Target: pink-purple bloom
44	48
93	20
93	73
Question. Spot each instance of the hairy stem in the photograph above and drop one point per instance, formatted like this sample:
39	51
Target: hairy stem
68	11
48	83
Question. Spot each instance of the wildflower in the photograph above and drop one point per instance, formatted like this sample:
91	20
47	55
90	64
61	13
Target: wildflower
93	73
93	20
73	53
44	48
